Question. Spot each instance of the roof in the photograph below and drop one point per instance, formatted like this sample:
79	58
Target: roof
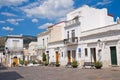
56	24
110	15
14	36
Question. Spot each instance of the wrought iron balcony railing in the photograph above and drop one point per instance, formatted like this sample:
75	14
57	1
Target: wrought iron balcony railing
73	40
72	22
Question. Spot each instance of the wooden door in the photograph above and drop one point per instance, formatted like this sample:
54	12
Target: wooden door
69	57
57	56
15	60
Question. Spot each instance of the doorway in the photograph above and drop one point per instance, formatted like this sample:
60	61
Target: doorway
15	60
93	54
57	56
69	57
113	55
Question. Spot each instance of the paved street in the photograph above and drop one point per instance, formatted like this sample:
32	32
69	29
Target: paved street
58	73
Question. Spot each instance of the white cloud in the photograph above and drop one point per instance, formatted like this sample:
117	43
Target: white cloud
11	2
7	14
51	9
14	21
34	20
104	2
2	21
7	28
31	5
45	26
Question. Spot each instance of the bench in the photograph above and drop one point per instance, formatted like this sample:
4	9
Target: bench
89	64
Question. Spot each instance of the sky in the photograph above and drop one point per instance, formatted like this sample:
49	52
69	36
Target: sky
31	17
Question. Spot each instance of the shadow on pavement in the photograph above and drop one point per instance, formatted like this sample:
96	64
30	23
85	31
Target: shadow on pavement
2	67
10	75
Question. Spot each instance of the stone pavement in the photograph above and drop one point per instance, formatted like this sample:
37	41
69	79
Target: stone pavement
58	73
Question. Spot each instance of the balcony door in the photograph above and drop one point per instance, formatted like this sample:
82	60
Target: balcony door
73	35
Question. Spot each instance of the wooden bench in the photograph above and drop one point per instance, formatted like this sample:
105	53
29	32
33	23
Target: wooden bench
89	64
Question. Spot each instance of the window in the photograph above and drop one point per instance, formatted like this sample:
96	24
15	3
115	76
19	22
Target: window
68	34
73	33
43	42
15	44
86	53
47	40
62	54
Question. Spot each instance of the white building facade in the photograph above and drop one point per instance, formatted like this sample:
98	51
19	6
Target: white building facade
80	20
14	49
56	43
101	44
88	35
42	44
32	52
71	37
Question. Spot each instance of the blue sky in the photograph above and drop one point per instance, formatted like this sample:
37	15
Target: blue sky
30	17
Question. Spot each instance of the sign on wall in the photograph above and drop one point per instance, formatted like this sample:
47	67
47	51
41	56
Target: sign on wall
79	52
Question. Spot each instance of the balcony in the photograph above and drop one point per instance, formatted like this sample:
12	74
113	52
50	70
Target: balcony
72	22
71	41
40	48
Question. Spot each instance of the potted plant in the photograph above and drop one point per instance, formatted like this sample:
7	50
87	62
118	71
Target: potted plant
34	62
75	64
46	63
98	65
57	64
21	61
25	63
44	57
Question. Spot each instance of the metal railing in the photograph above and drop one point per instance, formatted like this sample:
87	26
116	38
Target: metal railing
73	40
72	22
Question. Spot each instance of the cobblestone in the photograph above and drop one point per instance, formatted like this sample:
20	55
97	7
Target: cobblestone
58	73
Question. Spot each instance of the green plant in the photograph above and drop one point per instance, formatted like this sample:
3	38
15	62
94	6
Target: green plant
21	61
44	57
98	65
34	62
57	64
74	64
